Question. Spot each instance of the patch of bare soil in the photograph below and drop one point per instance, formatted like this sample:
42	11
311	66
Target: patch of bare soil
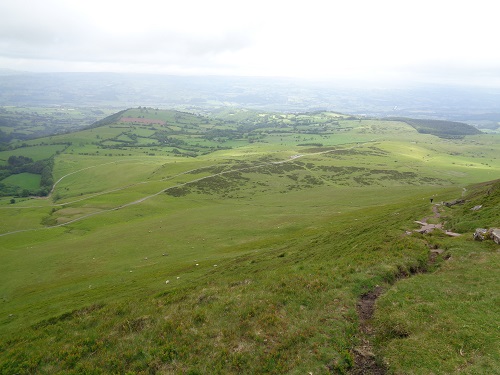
427	228
364	359
435	209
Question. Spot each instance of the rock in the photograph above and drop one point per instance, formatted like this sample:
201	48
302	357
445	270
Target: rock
452	203
480	234
476	208
427	228
495	235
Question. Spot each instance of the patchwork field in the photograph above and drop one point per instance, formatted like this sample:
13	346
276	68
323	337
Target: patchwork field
234	243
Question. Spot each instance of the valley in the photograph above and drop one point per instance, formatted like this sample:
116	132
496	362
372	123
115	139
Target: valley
239	241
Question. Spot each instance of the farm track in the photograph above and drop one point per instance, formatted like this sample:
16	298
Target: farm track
291	159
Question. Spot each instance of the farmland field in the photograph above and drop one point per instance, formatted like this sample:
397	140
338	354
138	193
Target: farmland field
234	243
25	180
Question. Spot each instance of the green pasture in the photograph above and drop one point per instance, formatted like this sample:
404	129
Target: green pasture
20	217
39	152
164	224
104	176
246	259
122	239
28	181
272	277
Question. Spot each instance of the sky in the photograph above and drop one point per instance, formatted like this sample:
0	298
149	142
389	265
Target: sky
437	40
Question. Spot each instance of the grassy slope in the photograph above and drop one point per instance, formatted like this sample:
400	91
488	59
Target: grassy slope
447	321
272	304
295	244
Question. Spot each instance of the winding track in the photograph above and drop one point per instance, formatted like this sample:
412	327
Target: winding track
291	159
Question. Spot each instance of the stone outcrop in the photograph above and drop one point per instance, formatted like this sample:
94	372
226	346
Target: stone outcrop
428	228
482	234
454	202
495	235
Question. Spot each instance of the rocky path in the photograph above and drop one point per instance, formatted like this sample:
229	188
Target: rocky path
427	228
365	362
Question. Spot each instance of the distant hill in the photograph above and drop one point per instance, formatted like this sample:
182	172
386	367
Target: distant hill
107	120
441	128
263	93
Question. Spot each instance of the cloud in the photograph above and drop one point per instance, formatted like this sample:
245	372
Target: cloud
358	38
55	33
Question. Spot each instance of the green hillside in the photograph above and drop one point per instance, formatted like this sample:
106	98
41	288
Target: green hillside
447	320
241	242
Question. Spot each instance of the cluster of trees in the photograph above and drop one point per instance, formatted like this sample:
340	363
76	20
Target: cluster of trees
23	164
214	134
163	137
441	128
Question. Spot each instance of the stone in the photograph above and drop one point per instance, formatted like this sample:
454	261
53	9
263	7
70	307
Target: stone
480	234
453	203
495	235
476	208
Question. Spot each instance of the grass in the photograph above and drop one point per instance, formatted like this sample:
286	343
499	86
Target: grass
417	311
446	321
38	152
266	306
24	180
265	255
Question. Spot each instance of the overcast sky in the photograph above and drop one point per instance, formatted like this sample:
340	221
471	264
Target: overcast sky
365	39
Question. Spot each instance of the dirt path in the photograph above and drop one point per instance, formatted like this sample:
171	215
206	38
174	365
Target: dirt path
364	359
365	362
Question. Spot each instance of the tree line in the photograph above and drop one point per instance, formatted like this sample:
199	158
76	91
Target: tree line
23	164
